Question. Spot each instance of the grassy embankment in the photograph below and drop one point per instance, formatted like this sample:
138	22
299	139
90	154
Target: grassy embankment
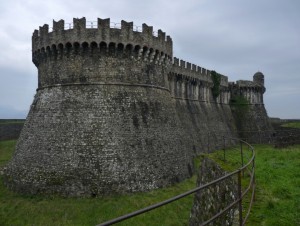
278	187
277	197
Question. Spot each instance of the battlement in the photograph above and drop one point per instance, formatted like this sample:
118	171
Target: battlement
247	85
100	33
251	90
256	85
194	71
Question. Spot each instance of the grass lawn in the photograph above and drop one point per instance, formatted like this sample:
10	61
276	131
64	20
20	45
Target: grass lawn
278	187
277	197
6	151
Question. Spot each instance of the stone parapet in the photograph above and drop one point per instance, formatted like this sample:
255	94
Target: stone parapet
79	34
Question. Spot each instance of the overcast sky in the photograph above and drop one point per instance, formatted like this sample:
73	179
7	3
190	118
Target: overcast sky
234	37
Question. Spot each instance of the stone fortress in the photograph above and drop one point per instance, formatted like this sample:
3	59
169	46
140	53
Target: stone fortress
114	112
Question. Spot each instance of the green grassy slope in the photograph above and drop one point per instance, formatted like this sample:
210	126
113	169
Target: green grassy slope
277	197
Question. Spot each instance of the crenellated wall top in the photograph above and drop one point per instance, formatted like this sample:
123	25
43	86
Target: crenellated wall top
182	67
248	85
101	31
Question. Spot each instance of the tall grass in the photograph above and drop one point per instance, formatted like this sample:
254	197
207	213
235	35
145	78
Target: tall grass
277	195
37	210
278	187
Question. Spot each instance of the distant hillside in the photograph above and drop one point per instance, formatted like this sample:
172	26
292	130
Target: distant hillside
10	128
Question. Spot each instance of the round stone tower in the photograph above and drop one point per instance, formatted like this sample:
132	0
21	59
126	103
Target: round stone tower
259	78
103	119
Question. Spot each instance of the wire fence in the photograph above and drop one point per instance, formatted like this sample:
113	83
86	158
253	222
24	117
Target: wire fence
280	137
247	167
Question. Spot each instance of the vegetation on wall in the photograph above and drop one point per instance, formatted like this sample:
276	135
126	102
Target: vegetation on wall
240	107
216	78
239	102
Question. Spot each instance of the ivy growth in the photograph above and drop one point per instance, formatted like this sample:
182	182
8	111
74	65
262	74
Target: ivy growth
216	78
239	102
240	108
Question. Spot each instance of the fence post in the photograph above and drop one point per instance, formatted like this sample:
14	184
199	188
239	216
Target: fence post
254	181
224	144
260	137
208	142
242	156
240	198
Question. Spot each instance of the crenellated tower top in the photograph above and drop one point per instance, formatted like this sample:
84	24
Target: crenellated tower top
101	32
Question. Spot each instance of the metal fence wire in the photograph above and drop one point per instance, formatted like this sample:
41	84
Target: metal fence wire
247	167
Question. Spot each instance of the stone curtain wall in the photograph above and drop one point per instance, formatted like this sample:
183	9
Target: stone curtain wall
205	124
208	202
285	136
256	127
